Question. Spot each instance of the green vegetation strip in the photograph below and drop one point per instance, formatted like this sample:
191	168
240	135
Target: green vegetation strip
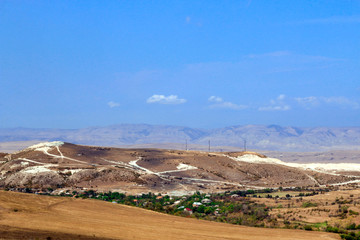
236	207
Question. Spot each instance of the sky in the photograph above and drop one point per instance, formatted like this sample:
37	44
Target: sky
203	64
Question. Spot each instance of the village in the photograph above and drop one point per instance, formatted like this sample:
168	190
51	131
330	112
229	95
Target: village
292	208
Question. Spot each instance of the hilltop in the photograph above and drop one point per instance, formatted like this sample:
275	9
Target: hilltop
59	165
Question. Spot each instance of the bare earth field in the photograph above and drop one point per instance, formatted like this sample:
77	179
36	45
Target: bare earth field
336	208
26	216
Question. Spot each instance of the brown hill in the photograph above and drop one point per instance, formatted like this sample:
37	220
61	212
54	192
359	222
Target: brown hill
25	216
65	165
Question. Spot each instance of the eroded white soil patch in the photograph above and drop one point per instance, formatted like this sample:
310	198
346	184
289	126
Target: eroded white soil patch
134	164
36	169
320	167
45	146
185	167
72	171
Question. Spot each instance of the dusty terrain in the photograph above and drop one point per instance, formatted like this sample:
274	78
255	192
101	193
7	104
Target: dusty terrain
40	217
59	165
334	156
337	208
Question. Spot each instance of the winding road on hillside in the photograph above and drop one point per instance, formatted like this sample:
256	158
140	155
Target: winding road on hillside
167	175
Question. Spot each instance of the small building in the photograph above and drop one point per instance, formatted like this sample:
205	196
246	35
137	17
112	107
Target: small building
235	196
188	210
196	204
216	212
206	201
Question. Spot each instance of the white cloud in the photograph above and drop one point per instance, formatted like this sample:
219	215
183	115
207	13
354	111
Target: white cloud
340	101
275	108
310	102
281	97
307	100
113	104
218	102
215	99
278	104
171	99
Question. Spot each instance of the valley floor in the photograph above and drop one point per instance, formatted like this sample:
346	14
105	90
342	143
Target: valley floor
24	216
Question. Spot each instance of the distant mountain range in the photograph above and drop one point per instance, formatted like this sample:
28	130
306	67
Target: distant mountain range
271	137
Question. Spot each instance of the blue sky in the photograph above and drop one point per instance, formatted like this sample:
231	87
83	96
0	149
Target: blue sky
206	64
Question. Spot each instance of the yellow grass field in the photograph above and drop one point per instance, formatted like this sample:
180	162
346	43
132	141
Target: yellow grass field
27	216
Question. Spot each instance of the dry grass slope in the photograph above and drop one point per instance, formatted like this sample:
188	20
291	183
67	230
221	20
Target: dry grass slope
24	216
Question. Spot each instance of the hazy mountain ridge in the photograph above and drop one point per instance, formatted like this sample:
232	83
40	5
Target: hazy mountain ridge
271	137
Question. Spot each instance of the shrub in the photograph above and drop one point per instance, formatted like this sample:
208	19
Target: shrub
308	228
332	229
348	237
351	226
309	204
351	212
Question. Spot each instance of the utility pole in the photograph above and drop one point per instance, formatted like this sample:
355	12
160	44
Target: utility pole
244	143
186	145
209	145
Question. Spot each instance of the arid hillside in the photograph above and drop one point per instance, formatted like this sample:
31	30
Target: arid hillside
59	165
335	208
27	216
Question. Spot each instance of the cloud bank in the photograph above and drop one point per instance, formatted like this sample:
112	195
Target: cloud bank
312	101
278	104
162	99
218	102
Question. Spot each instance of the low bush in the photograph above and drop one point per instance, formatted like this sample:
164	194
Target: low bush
308	204
308	228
